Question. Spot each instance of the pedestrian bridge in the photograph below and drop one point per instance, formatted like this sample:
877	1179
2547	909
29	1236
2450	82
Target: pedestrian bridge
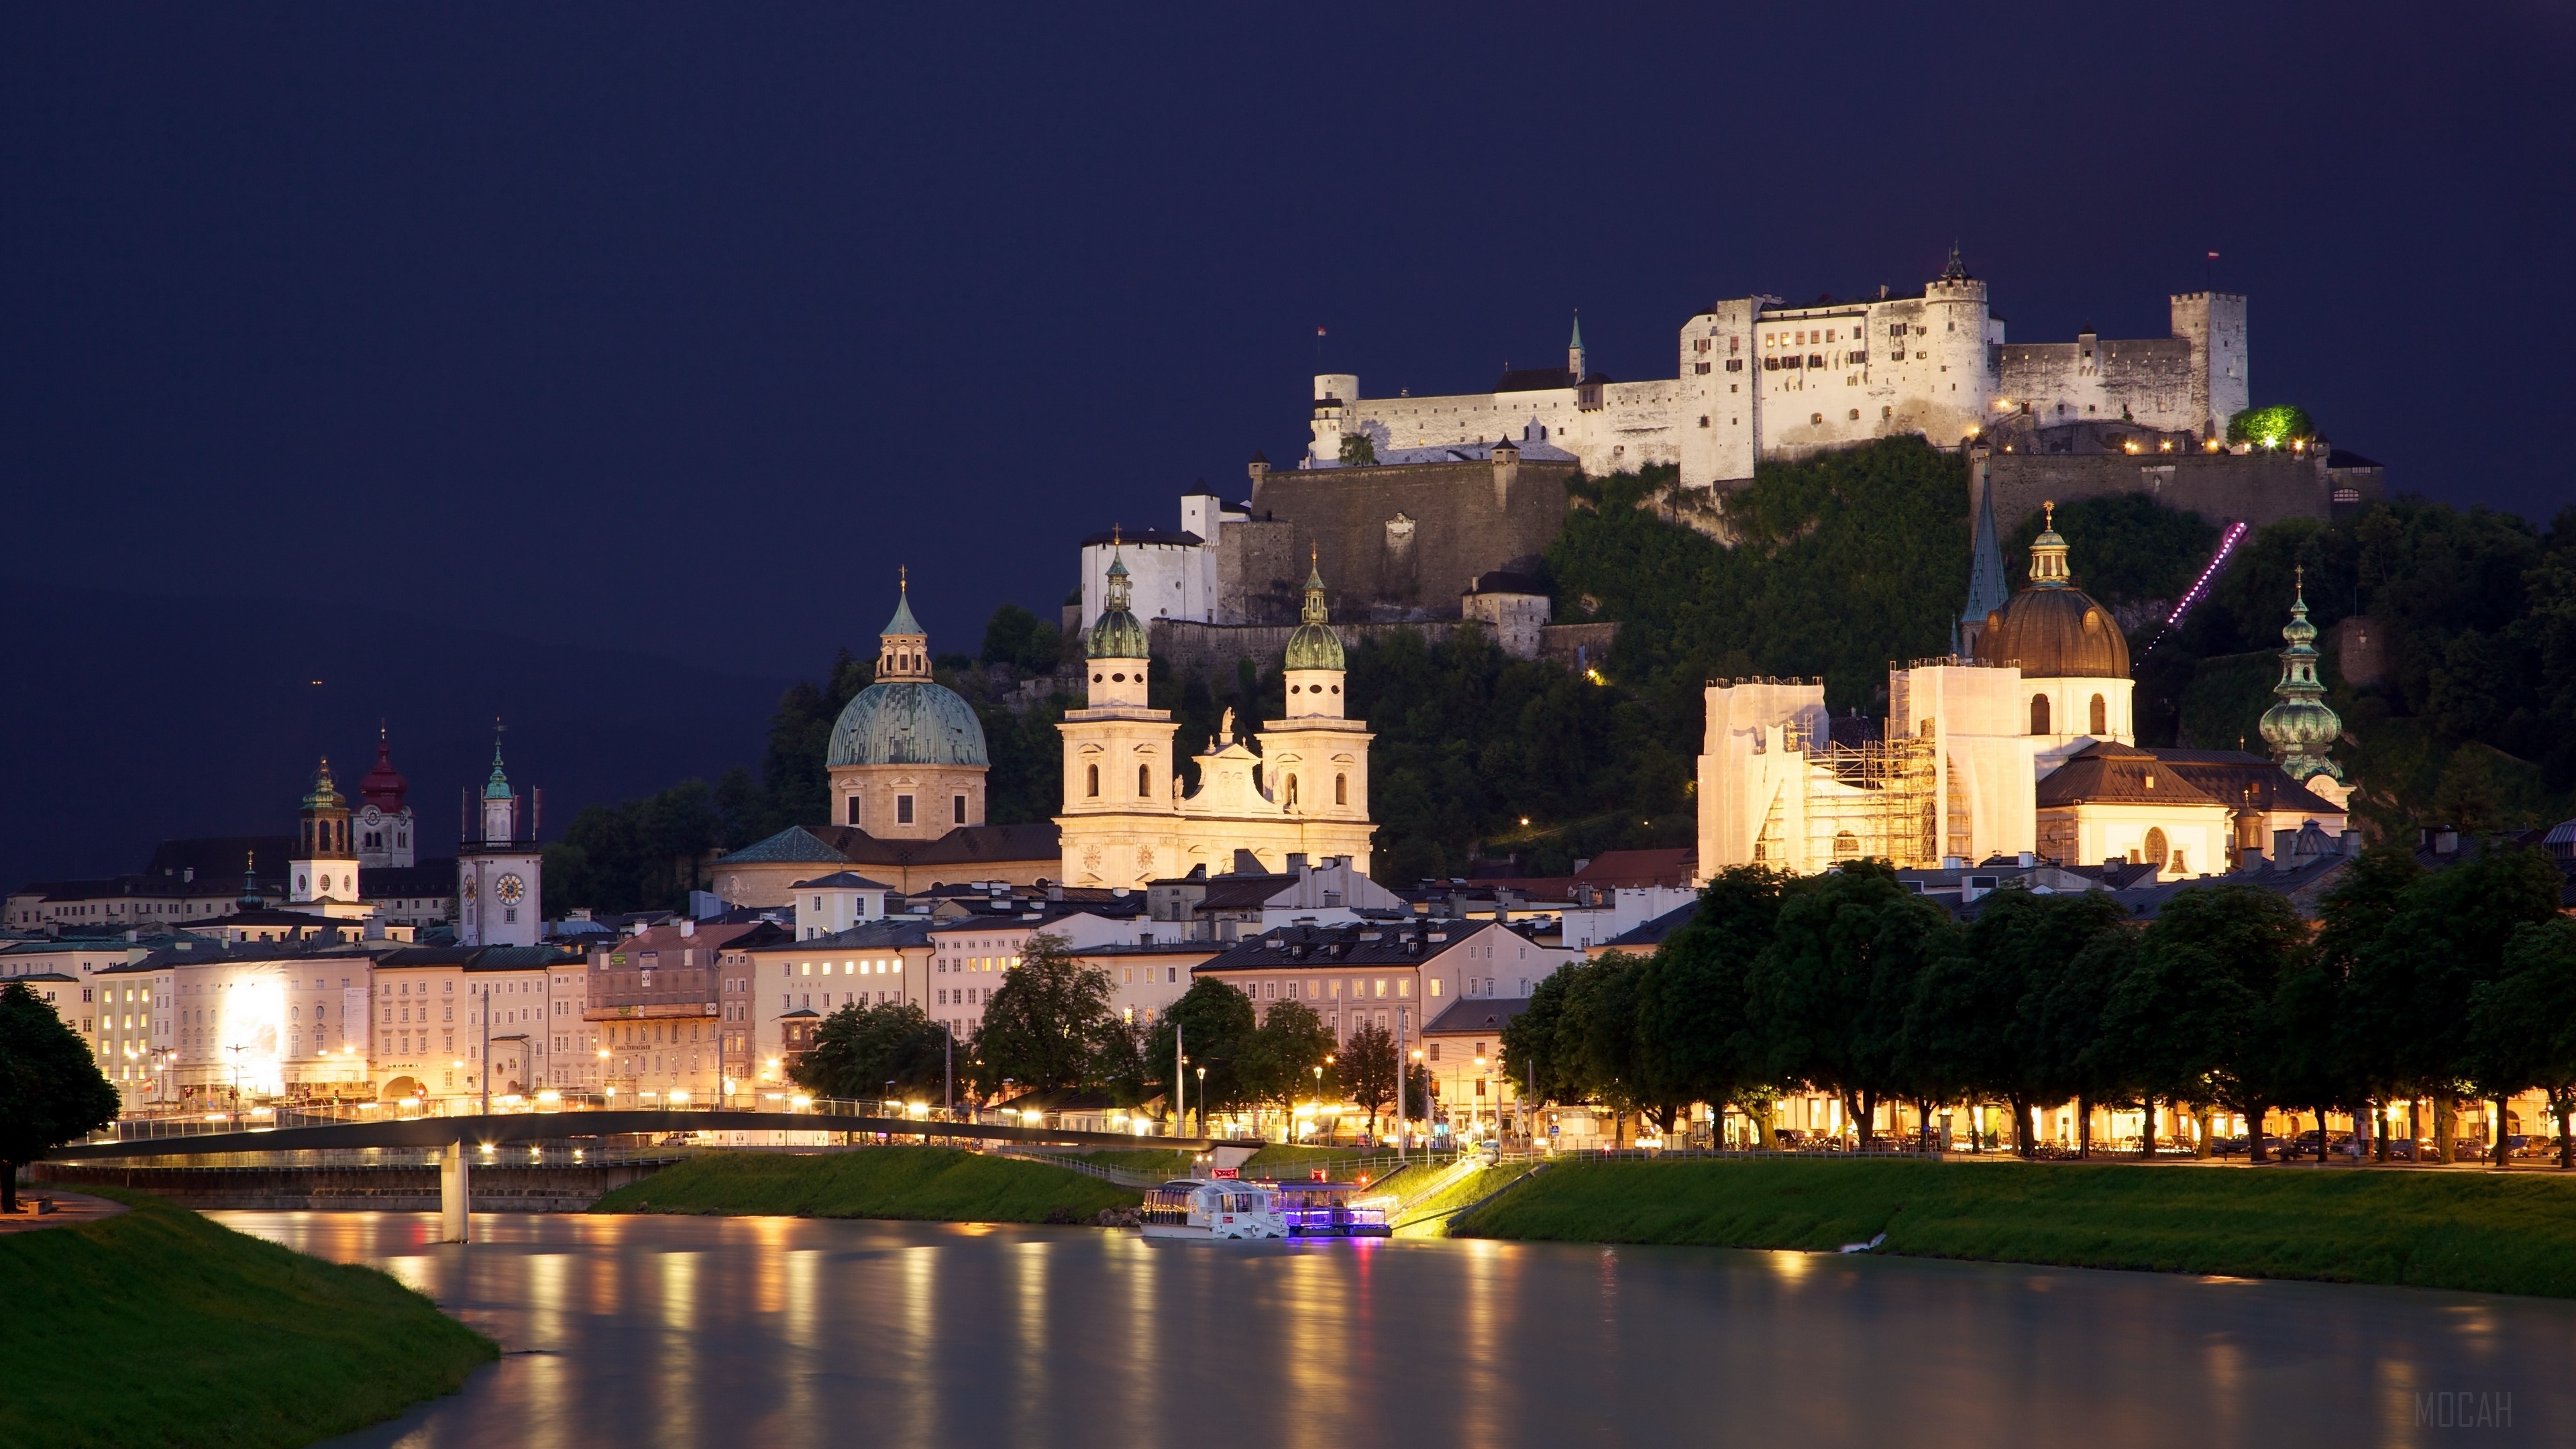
456	1138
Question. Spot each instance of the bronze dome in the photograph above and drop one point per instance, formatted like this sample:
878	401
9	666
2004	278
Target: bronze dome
2052	629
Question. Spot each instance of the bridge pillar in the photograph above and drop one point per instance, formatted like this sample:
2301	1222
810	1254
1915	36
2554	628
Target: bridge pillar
455	1198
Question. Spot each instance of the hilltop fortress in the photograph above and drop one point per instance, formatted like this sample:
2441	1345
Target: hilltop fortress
1424	510
1756	379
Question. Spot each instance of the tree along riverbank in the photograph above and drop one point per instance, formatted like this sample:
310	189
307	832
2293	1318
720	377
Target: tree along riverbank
157	1327
2496	1233
936	1184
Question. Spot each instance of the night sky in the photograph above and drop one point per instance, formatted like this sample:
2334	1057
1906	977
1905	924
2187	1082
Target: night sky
596	368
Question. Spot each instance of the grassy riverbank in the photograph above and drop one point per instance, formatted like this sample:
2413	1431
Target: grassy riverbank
2497	1234
938	1184
160	1328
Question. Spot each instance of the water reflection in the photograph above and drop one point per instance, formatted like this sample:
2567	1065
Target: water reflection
791	1332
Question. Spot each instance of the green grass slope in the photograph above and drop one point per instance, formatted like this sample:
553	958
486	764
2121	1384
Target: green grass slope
160	1328
2495	1234
936	1184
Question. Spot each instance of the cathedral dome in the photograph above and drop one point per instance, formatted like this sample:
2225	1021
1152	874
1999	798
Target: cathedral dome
1314	645
907	722
2052	629
1118	634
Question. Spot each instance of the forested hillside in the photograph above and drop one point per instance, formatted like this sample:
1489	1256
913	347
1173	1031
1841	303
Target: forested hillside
1837	566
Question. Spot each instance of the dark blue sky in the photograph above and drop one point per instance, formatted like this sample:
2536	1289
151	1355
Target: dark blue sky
674	330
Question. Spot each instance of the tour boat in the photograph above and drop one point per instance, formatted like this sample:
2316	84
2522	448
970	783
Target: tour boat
1326	1210
1213	1211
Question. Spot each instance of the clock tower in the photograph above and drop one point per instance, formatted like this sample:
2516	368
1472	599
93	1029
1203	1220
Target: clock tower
325	867
498	897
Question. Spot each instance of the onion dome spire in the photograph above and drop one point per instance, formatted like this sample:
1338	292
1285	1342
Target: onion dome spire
2302	727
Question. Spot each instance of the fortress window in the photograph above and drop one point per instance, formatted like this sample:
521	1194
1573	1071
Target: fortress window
1855	415
1703	420
1091	780
1815	417
1886	413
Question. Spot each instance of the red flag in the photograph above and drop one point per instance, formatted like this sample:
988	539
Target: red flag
2213	256
1320	331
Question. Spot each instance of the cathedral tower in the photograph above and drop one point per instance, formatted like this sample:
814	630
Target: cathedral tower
325	867
1315	761
499	895
1120	792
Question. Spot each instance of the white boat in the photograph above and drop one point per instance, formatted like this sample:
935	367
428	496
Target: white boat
1213	1210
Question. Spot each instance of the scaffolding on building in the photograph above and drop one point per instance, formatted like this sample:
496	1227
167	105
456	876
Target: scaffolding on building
1876	800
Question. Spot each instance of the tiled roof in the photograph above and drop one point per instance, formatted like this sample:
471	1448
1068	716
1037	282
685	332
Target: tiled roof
2120	774
795	843
1472	1014
891	932
1652	933
841	880
1668	867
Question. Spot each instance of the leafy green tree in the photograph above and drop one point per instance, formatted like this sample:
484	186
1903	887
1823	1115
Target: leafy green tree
1047	1024
2236	943
2522	1024
1284	1051
1216	1029
2081	1050
1359	450
1829	995
1692	1039
2276	425
1530	1053
874	1051
2412	982
51	1090
1368	1062
1975	1025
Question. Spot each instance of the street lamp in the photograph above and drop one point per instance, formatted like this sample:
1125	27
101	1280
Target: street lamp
1203	1127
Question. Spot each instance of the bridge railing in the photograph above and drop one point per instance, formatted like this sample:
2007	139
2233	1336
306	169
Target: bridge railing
155	1126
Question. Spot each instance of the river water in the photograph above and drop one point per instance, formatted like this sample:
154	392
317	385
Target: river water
788	1332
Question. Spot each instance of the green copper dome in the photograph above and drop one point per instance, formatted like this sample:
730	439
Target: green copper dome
498	786
907	722
1314	645
2301	728
1118	634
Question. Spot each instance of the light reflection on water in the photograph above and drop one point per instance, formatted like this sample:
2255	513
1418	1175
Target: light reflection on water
792	1332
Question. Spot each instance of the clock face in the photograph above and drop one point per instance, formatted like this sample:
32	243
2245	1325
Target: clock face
511	890
469	890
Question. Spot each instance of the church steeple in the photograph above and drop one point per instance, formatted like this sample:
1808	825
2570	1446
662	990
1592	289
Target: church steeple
2302	727
325	865
1314	660
1987	589
1574	356
903	646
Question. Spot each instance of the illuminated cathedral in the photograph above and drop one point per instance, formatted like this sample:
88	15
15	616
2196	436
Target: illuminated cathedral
2021	741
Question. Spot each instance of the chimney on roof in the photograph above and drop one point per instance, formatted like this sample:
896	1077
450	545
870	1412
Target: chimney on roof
1297	862
688	927
2281	843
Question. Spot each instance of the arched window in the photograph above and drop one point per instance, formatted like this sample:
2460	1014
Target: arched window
1144	782
2101	716
1091	780
2155	851
1290	797
1341	789
2039	714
